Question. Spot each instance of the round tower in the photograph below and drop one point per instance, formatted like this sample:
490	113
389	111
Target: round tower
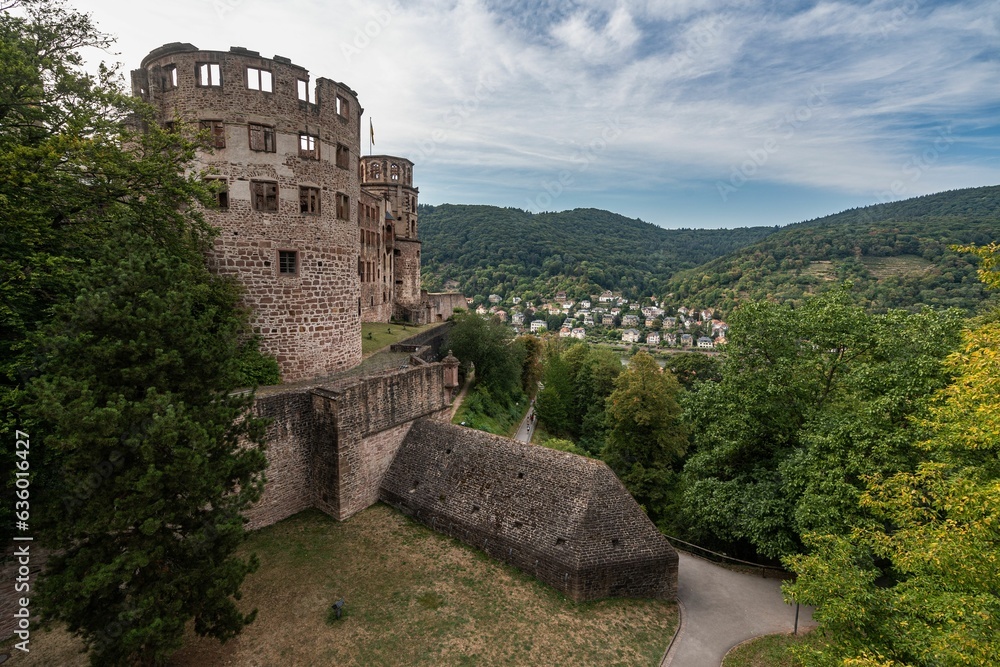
391	178
285	164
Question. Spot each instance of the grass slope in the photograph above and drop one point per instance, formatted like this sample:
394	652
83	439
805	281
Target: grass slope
413	598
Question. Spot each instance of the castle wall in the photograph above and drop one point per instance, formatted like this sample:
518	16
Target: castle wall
289	220
561	517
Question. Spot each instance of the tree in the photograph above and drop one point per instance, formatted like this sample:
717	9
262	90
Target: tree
490	345
811	400
645	435
137	383
118	353
920	583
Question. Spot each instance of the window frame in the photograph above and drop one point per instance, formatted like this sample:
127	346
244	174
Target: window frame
170	77
266	132
254	195
306	152
208	67
310	197
343	157
343	206
281	254
217	131
221	196
255	77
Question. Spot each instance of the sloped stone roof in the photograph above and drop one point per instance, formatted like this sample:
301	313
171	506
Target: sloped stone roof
565	518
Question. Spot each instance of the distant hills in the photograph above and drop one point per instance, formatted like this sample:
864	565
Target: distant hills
895	254
585	251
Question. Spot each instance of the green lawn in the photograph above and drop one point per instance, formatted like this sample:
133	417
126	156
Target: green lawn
413	598
767	651
376	335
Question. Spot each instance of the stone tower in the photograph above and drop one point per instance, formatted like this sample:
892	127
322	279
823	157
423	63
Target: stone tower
391	178
286	162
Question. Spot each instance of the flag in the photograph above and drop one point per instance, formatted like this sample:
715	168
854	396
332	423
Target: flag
371	131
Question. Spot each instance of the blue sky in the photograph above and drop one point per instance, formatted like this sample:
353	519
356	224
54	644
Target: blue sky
685	113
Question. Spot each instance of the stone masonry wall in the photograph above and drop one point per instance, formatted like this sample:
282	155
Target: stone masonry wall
307	313
563	518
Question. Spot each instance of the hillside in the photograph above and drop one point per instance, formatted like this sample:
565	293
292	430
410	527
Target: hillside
896	255
508	251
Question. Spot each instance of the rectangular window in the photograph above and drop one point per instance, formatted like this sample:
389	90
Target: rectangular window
308	146
309	200
209	75
343	206
288	262
264	195
343	156
305	93
217	132
262	138
342	106
260	79
220	188
169	77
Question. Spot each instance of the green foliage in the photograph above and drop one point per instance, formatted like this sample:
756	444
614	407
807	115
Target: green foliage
511	252
118	353
897	255
490	346
692	367
488	411
918	584
645	434
135	383
256	368
811	400
578	378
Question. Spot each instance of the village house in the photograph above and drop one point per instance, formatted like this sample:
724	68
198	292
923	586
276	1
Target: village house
653	338
501	314
606	297
650	322
704	342
579	333
516	300
538	325
608	320
585	303
494	298
517	319
670	339
565	332
560	296
630	336
669	322
687	340
630	320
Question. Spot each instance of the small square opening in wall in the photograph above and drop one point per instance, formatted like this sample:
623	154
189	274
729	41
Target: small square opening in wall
343	156
343	106
288	262
216	132
305	92
220	188
262	138
343	206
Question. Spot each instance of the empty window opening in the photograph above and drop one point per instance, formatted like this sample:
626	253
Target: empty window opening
309	200
306	92
262	138
288	262
376	171
343	206
260	79
209	75
394	171
343	107
219	188
264	195
216	130
169	77
343	156
308	146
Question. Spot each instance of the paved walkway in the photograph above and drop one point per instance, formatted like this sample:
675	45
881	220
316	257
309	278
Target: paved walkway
721	608
527	427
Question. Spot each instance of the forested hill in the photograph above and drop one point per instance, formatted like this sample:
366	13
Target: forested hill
896	254
508	251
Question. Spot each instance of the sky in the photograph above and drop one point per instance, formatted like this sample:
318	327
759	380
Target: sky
684	113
